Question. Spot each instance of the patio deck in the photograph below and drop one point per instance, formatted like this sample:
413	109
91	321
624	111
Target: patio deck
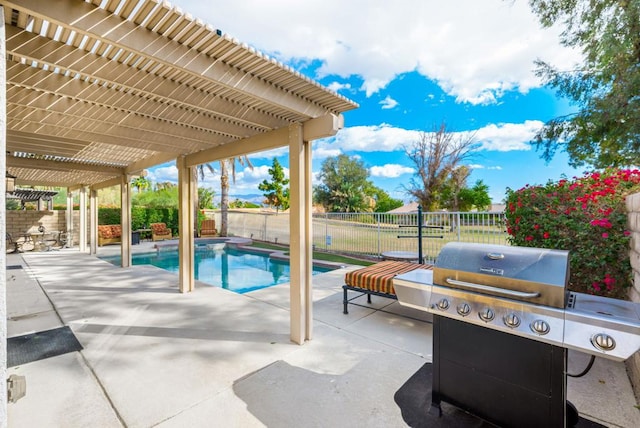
155	357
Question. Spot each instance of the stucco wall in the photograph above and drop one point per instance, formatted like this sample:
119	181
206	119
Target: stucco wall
633	208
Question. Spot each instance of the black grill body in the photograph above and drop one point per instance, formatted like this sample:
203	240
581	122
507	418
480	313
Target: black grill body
504	379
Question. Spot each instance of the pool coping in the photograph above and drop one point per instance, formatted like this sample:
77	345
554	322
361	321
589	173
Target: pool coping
244	245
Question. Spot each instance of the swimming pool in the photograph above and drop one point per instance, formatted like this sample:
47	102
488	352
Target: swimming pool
236	270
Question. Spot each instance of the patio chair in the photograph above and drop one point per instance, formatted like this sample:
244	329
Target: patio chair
208	228
159	232
12	246
376	279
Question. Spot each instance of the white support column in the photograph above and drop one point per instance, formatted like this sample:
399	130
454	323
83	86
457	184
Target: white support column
82	241
308	223
300	232
69	218
186	192
3	224
125	220
93	221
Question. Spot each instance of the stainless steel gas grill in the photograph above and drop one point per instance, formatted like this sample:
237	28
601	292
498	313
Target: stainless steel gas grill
503	321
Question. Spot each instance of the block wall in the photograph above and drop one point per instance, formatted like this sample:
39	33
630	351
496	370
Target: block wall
20	222
633	209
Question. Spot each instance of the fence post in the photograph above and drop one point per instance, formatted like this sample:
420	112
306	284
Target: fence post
326	231
459	225
264	232
379	237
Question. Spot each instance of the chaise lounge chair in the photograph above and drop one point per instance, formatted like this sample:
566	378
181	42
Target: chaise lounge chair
208	228
376	279
159	232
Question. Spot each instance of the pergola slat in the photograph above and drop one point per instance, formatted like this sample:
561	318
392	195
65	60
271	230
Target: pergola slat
97	79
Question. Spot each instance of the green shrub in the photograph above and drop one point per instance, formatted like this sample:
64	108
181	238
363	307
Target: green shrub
586	216
141	216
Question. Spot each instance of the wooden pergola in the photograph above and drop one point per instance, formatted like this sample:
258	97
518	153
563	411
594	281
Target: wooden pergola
99	90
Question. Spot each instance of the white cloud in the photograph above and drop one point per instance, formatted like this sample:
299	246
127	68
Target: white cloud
475	50
489	168
388	103
374	138
503	137
321	151
507	137
336	86
390	170
166	172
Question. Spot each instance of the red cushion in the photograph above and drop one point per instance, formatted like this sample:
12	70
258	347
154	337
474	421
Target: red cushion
116	231
105	232
160	229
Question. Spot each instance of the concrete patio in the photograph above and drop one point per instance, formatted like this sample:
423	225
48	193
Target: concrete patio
155	357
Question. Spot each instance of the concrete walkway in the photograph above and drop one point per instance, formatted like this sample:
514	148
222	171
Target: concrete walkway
213	358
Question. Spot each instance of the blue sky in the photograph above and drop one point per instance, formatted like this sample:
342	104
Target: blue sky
410	65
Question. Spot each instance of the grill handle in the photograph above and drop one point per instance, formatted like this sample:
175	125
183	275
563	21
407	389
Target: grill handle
495	290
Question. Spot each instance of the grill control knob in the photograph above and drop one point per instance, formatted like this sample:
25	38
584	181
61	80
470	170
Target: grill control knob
511	320
443	304
464	309
540	327
603	342
486	314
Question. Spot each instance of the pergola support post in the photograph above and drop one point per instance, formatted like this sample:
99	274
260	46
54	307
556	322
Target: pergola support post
186	195
69	218
301	307
125	220
82	241
93	221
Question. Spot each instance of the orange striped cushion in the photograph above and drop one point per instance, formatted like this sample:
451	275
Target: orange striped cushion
379	277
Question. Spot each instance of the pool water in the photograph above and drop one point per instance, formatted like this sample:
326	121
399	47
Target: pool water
229	268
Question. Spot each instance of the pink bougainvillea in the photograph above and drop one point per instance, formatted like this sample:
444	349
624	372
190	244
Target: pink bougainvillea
585	215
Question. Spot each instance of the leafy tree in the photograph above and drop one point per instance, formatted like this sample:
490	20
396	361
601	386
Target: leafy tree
205	198
165	197
605	131
12	204
453	195
275	191
141	183
345	186
384	202
435	156
475	197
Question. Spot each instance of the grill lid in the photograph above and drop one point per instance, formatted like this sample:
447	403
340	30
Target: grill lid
535	275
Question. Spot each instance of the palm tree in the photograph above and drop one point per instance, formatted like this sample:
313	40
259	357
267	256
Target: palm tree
141	183
225	165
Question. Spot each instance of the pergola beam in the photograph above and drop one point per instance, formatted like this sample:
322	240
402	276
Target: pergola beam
257	143
61	165
320	127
